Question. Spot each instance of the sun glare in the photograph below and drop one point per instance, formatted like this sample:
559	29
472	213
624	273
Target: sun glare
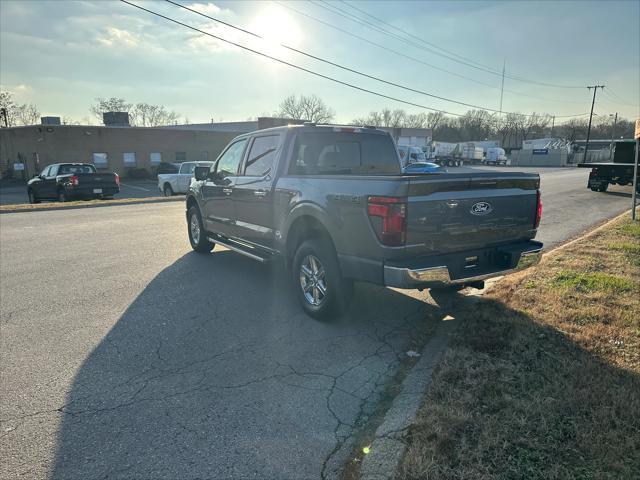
277	28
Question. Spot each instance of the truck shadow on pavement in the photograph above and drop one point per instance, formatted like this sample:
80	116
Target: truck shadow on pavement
214	372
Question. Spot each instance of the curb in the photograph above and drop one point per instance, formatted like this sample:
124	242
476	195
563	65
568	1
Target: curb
106	203
387	450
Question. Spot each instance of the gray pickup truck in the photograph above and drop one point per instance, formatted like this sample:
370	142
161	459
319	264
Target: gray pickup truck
334	205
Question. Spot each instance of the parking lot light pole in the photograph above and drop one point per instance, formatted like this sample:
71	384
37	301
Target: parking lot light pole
613	129
593	102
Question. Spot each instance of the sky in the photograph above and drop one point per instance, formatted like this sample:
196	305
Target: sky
61	55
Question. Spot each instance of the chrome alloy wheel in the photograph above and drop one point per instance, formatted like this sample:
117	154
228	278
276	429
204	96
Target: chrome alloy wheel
313	281
194	226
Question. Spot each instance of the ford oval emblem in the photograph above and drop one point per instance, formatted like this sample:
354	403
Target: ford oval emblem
481	208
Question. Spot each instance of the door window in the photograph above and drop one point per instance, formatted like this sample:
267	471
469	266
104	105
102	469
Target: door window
261	156
53	171
45	172
230	159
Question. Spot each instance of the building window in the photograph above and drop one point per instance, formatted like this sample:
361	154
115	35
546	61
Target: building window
204	156
129	159
100	160
155	158
181	157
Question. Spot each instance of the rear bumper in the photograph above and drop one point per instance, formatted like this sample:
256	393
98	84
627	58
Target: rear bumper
456	269
87	192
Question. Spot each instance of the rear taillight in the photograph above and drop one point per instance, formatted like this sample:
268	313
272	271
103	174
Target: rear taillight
388	216
536	221
74	180
117	179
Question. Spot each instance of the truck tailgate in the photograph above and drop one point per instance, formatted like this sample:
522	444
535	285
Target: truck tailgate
96	180
461	211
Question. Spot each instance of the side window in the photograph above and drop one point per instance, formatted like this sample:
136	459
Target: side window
53	171
230	160
187	168
261	156
45	172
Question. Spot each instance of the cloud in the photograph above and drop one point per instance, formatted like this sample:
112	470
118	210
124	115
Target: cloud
209	8
113	36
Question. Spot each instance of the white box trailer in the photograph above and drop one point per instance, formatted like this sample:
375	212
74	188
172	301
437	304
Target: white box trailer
471	153
442	149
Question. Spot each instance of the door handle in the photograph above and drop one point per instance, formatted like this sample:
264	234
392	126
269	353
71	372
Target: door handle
227	191
260	193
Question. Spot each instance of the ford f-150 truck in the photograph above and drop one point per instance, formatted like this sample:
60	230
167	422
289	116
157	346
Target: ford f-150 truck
67	181
335	206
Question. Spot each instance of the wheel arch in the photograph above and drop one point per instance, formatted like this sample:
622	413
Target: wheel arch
307	224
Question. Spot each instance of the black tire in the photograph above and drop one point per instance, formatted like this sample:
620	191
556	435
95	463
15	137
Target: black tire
167	191
198	237
32	196
338	291
62	195
603	187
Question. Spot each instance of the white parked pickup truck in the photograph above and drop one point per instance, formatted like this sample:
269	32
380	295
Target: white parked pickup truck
171	183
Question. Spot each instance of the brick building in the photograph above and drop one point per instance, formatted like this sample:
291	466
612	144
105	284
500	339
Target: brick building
118	149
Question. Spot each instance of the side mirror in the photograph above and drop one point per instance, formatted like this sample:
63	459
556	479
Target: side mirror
201	173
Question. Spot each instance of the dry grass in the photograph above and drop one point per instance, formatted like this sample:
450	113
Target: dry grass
543	377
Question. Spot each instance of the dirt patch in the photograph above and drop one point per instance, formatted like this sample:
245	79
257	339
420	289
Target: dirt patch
542	379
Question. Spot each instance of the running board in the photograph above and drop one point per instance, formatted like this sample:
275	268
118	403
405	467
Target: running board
237	249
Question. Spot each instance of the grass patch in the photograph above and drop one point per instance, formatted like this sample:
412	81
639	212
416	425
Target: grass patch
582	281
542	379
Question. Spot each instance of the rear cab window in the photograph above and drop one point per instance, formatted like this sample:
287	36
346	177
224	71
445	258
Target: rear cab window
68	169
343	153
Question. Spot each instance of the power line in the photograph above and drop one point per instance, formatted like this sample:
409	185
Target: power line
337	65
414	59
292	65
345	14
422	40
326	77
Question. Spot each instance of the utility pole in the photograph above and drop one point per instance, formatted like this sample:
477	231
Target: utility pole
504	62
613	129
553	124
593	102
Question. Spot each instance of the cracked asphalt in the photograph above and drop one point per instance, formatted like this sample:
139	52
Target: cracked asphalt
125	355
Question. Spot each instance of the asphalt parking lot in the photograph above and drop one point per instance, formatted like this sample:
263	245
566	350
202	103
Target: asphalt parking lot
126	355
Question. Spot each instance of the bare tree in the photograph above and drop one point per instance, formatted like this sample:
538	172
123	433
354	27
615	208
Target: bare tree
8	107
310	108
113	104
477	125
148	115
27	114
434	119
